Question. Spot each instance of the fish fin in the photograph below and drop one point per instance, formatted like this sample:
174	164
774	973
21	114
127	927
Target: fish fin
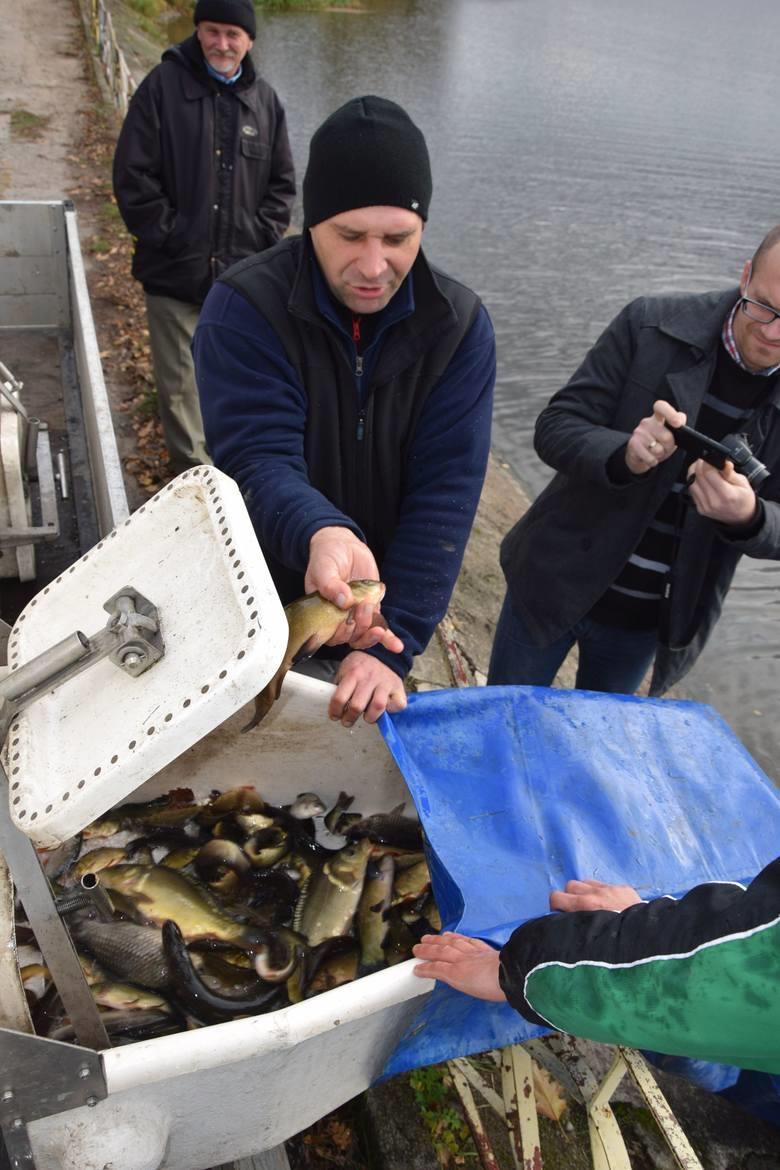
266	699
308	649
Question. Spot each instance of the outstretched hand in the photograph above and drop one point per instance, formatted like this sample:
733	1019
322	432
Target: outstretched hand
471	965
593	895
467	964
336	557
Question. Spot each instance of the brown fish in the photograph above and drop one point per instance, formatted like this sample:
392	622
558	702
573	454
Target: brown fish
312	622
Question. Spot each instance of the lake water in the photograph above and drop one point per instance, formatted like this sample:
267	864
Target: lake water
584	152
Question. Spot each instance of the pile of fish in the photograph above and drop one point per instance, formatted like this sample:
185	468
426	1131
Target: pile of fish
186	913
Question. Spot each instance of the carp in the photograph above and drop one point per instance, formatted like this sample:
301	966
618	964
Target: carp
334	894
312	622
372	912
157	894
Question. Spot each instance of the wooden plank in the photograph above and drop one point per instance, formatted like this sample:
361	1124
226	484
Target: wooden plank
517	1080
668	1124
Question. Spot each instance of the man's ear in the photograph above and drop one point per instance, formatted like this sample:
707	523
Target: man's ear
747	272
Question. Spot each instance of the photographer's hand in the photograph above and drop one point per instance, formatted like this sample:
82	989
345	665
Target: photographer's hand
652	442
721	494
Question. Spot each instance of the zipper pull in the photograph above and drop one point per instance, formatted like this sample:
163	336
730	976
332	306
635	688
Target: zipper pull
359	365
361	427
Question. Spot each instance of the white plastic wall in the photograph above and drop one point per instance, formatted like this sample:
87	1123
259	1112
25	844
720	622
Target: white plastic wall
200	1098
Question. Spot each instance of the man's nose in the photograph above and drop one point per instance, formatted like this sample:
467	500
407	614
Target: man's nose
373	261
772	330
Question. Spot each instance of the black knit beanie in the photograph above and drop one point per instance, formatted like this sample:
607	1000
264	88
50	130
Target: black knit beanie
239	12
369	153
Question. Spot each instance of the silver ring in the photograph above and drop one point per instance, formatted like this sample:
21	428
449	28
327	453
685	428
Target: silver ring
651	446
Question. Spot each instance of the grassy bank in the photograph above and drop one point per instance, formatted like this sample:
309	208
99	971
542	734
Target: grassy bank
158	13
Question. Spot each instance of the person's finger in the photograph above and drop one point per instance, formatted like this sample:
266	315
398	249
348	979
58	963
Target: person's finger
433	970
360	698
572	902
665	413
333	588
341	696
377	704
449	943
584	885
378	636
397	700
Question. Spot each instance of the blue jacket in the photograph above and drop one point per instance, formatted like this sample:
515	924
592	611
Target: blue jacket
279	412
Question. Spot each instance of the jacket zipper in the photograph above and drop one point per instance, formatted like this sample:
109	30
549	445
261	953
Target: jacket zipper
361	423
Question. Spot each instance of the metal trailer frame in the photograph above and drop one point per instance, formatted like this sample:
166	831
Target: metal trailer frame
43	289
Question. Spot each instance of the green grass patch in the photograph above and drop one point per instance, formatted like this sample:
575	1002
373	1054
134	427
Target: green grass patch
27	126
441	1115
147	405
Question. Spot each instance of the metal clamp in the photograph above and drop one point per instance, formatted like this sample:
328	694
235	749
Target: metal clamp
131	639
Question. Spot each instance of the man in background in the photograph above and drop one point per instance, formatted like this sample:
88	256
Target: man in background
631	549
203	176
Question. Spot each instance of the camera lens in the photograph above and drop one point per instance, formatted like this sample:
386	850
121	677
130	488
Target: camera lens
744	460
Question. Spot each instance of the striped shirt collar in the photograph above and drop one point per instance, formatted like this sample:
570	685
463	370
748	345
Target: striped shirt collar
727	337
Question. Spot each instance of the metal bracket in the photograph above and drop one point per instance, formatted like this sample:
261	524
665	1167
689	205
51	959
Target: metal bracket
50	933
38	1078
131	639
49	528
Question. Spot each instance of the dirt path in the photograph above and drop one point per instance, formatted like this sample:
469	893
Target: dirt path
43	88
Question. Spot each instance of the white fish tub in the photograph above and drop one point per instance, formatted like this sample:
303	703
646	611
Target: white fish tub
215	1094
205	1097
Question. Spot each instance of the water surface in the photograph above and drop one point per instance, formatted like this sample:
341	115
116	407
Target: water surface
584	152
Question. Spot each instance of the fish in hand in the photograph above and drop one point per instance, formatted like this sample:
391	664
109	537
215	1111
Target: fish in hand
312	622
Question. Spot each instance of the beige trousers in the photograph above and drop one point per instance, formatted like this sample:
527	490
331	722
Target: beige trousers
171	326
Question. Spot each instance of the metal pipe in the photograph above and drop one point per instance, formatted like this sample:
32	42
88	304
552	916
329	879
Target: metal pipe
31	448
44	667
90	883
62	475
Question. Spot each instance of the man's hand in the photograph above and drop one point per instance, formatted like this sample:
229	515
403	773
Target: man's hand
467	964
336	557
593	895
721	494
652	442
365	686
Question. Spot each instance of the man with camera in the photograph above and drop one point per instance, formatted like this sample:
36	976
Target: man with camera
631	549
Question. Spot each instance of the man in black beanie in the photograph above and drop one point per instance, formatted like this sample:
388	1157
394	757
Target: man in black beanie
203	176
346	385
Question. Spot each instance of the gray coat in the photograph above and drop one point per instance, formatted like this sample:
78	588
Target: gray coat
572	543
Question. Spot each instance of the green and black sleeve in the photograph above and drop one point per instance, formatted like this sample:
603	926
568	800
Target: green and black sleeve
696	977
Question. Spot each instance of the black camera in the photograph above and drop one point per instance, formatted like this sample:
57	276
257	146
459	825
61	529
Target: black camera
733	447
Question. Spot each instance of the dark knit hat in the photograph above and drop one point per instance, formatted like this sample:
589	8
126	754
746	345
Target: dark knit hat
369	153
239	12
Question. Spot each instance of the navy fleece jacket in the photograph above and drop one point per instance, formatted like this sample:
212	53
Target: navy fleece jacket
254	416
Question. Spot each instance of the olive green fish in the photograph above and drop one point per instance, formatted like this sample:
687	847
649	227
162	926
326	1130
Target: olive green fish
312	622
159	894
334	894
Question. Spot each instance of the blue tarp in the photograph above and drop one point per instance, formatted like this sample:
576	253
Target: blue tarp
520	789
